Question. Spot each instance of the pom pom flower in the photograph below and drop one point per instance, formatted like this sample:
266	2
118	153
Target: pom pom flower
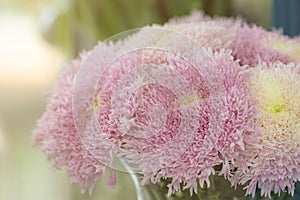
252	46
249	43
234	132
57	136
194	98
56	133
276	164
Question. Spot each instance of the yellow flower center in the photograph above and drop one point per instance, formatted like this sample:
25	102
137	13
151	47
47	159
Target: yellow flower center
278	109
191	99
270	95
276	91
96	103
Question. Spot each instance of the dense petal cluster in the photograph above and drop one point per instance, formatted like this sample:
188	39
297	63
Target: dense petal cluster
179	101
251	46
233	133
249	43
57	136
276	165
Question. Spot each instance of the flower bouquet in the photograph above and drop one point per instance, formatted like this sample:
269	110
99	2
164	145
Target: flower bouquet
198	108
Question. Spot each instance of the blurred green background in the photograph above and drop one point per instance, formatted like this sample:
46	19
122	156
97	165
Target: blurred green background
82	23
36	38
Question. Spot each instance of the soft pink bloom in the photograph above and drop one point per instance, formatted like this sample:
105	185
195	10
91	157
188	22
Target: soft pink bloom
254	44
57	136
187	142
175	101
158	108
249	43
275	166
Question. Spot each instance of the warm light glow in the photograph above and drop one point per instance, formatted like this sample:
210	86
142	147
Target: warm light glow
26	59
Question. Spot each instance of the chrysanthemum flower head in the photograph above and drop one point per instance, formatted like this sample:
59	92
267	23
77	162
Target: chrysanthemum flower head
249	43
56	134
231	119
175	101
276	164
250	46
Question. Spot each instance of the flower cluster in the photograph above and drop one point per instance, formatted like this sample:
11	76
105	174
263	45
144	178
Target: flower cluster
184	101
276	165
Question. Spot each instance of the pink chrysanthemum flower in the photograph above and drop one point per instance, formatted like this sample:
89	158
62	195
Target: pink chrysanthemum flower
276	164
226	146
250	44
154	104
162	106
177	110
157	155
57	136
56	132
254	44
